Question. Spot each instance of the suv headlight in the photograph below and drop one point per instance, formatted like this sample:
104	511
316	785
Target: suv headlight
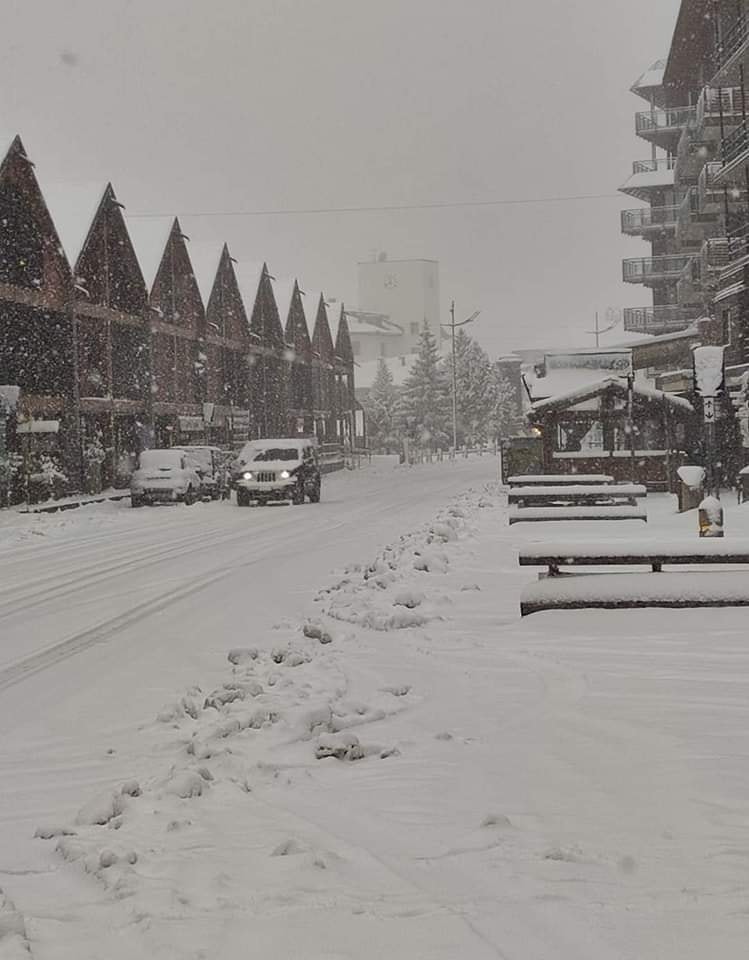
247	475
285	474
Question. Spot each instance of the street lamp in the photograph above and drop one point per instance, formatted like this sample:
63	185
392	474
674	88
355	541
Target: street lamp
452	325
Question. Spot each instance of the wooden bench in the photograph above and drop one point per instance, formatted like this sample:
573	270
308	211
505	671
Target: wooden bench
559	480
602	511
557	590
577	495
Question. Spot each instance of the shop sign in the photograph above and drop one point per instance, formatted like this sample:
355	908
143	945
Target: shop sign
191	424
240	421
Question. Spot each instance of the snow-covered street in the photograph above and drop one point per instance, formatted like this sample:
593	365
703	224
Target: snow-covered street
324	732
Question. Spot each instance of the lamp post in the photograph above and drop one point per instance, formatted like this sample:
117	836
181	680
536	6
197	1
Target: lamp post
452	325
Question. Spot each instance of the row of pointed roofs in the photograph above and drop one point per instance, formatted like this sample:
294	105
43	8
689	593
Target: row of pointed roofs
75	206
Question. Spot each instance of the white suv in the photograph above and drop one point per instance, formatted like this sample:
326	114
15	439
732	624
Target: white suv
284	469
164	476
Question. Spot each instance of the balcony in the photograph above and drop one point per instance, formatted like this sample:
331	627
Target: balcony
733	44
649	176
644	220
663	127
654	270
720	105
658	320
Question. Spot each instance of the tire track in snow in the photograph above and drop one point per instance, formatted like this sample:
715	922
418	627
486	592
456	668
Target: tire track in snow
107	629
51	587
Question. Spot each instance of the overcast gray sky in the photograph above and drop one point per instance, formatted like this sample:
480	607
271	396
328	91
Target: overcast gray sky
193	106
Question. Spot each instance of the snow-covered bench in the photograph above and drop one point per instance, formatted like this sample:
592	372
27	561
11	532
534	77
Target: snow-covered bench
581	495
601	511
559	479
691	588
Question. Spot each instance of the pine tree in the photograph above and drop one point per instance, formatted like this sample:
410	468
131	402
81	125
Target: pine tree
507	418
424	410
381	407
475	390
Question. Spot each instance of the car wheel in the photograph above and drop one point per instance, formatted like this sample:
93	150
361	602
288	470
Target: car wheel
243	498
136	501
189	497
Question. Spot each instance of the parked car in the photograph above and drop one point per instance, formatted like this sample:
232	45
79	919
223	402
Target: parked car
277	469
164	476
208	463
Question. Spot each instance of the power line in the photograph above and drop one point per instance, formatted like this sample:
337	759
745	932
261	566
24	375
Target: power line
438	205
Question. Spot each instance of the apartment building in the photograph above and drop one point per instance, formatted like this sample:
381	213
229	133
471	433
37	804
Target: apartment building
694	184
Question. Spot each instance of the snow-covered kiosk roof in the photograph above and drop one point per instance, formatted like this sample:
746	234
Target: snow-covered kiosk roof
616	385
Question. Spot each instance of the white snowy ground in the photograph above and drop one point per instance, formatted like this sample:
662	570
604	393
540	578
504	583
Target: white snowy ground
439	780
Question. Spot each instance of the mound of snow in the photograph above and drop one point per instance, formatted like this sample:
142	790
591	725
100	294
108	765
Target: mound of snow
186	784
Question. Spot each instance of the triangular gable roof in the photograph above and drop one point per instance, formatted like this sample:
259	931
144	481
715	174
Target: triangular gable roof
616	385
343	348
10	143
15	151
322	339
74	207
149	236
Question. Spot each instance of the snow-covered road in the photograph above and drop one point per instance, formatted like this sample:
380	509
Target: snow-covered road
569	786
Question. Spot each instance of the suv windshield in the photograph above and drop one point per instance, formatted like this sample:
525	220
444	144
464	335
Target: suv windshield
277	453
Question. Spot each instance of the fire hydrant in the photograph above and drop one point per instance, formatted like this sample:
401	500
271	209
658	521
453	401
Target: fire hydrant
711	517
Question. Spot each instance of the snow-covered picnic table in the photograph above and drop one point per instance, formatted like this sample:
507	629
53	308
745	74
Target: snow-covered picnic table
685	588
612	590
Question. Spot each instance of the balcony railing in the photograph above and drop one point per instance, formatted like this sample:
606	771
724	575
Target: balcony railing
660	319
653	166
732	41
654	269
714	254
710	194
644	219
736	143
651	124
716	103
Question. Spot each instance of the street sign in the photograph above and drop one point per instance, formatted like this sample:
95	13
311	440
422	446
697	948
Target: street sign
708	409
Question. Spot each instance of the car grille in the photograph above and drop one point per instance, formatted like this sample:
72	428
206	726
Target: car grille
266	476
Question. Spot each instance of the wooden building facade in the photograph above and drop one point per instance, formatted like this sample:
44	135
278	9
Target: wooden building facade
115	347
